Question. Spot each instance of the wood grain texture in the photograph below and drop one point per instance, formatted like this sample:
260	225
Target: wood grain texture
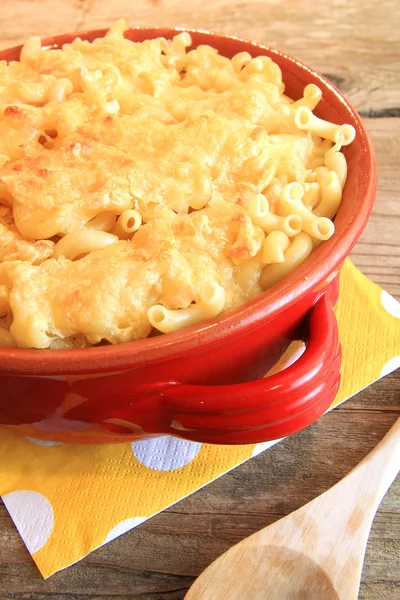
355	43
315	552
377	254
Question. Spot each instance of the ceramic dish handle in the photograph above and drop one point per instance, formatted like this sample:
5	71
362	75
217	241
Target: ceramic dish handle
268	408
256	411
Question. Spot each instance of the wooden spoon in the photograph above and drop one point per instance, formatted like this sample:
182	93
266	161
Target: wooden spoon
315	553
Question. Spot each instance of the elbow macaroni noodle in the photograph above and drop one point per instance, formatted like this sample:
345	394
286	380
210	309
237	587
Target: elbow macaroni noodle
275	245
336	161
331	194
342	135
129	222
258	207
104	221
152	186
312	95
212	301
300	248
81	242
291	202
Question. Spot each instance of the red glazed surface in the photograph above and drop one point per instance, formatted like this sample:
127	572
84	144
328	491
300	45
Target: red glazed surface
203	383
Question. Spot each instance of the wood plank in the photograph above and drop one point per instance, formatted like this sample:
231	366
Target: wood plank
377	254
337	39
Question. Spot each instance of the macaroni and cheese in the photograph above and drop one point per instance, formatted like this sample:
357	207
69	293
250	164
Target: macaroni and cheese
149	186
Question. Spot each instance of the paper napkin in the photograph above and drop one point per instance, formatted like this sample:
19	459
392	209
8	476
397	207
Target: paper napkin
67	500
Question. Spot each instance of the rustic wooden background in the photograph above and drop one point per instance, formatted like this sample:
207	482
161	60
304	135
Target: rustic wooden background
356	44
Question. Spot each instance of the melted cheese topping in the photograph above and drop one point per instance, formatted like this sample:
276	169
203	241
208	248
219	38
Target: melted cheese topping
106	294
184	138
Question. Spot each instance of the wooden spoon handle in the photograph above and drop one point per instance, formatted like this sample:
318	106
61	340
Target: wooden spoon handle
381	466
360	492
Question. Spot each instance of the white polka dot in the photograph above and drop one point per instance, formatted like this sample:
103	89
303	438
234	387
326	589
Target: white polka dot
390	304
391	365
42	442
33	516
165	453
264	446
295	356
123	527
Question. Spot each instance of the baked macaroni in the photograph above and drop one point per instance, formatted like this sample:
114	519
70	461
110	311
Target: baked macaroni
149	186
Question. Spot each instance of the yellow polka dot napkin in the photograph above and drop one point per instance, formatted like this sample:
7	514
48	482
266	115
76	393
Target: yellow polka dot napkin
50	490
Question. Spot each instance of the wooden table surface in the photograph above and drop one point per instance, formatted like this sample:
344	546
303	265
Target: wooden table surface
356	44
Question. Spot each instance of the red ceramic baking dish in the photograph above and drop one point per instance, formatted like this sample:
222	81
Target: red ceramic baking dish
206	383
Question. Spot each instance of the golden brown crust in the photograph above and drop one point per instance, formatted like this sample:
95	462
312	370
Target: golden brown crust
185	138
106	294
13	246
